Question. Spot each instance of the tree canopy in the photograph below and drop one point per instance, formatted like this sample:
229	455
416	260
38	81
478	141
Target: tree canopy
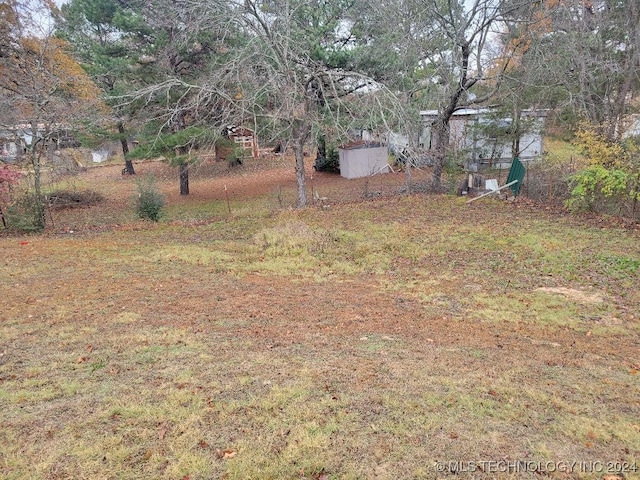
298	69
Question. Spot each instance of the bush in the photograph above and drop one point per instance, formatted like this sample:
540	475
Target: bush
602	189
23	215
548	178
227	149
330	163
610	182
150	200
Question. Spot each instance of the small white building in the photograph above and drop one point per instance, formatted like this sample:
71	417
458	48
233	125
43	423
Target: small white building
363	159
479	136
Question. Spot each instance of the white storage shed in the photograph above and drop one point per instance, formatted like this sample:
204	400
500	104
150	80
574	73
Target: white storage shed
362	159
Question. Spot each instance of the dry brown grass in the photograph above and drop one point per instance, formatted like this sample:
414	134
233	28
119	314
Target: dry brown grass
367	340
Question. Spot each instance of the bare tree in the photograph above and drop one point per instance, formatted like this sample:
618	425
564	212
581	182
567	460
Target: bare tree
297	75
444	56
465	62
586	60
41	83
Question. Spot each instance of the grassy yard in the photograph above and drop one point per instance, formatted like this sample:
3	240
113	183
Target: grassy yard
397	338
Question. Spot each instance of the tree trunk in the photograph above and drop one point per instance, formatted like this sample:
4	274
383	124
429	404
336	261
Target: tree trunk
39	214
298	150
301	131
407	175
128	164
184	179
440	145
515	133
182	151
322	149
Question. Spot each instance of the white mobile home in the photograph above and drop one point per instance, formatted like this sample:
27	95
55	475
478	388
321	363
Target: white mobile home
479	135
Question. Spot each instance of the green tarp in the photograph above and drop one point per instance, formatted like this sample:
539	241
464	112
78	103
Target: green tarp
516	172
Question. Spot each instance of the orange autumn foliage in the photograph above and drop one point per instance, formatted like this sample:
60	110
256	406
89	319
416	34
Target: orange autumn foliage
516	47
41	71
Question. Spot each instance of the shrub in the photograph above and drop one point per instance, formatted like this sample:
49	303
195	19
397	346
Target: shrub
9	177
598	186
150	200
227	149
610	183
23	215
330	163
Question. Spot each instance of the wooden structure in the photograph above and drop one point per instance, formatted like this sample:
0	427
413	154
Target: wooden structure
238	136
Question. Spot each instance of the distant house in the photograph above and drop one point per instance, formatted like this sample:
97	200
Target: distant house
362	159
14	139
480	136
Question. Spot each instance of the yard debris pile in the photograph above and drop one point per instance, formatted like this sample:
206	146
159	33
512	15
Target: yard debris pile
63	199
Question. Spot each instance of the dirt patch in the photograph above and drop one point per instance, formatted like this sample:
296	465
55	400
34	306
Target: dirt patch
578	296
270	174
